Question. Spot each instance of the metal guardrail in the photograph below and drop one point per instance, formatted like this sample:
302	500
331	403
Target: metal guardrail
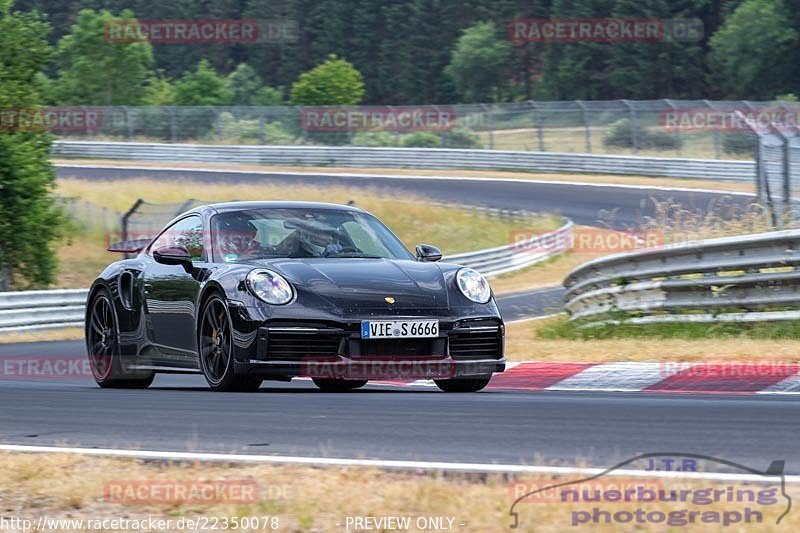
418	158
746	278
503	259
38	310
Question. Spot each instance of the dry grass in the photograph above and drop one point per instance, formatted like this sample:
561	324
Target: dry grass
553	271
572	140
66	334
413	219
524	343
644	181
313	499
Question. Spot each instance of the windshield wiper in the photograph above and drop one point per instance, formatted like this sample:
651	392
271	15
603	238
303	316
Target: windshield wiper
358	255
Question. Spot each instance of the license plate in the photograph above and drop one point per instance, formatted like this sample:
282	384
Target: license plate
399	329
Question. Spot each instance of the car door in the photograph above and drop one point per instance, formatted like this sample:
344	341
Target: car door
170	292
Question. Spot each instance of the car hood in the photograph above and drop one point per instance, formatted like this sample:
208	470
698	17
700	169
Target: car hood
352	283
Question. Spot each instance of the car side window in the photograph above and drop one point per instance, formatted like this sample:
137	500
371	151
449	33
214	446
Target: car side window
187	232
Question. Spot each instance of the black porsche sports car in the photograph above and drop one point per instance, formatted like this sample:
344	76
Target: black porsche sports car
249	291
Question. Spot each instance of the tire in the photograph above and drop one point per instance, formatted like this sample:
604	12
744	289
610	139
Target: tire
102	347
338	385
215	349
463	384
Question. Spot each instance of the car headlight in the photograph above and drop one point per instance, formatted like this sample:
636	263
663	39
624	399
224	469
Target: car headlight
473	285
270	287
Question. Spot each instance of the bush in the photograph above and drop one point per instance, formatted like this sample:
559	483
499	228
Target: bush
621	135
421	139
246	131
374	139
461	138
738	143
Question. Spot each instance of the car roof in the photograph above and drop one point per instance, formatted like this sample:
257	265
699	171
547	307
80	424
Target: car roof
242	206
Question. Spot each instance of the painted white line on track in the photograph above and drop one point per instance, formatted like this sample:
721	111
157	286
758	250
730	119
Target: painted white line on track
410	177
625	376
387	464
532	318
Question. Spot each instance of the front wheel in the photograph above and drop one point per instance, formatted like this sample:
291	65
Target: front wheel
338	385
462	384
102	345
216	350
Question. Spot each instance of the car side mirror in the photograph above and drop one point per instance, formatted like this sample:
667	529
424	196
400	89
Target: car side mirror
174	255
428	253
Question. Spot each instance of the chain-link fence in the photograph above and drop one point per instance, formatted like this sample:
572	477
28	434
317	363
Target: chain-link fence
668	128
88	217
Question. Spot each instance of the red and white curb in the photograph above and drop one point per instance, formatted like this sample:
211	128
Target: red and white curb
777	378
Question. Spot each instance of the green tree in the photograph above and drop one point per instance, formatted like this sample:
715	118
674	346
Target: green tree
202	87
269	96
243	84
479	63
646	70
577	70
158	91
96	69
30	219
334	82
750	53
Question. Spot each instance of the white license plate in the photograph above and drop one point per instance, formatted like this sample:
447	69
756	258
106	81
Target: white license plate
399	329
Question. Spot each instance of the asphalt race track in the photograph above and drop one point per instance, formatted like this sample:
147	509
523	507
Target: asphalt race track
619	207
178	413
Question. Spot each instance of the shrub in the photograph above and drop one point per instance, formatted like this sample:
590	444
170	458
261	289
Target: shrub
621	135
246	131
738	143
374	139
460	138
421	139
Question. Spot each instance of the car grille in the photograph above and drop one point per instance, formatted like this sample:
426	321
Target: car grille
396	347
475	345
296	346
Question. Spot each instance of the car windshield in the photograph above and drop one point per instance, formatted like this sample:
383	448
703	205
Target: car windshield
302	233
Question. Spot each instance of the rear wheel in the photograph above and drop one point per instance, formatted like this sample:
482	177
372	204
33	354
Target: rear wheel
102	345
216	350
463	384
338	385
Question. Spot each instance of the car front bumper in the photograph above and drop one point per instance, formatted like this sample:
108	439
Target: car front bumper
283	348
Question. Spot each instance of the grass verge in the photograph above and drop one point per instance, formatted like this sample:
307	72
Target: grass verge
312	499
415	220
553	339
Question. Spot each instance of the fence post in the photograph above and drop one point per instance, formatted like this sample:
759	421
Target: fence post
677	130
262	136
173	127
634	125
490	123
586	134
710	104
303	133
537	120
217	123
